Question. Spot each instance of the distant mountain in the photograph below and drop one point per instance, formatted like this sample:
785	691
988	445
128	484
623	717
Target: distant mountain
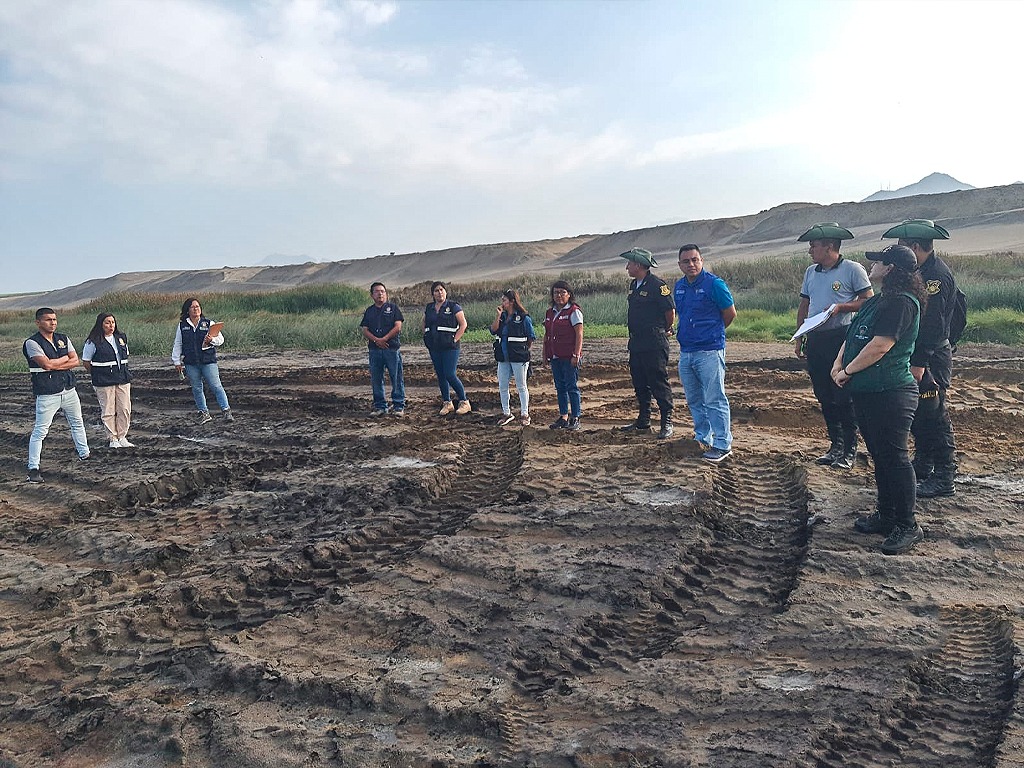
932	184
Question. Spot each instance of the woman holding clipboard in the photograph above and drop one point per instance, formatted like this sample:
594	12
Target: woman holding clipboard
195	351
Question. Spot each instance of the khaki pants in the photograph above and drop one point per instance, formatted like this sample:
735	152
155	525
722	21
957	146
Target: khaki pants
115	409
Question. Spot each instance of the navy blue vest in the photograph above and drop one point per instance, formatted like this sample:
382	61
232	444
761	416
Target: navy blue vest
192	352
49	382
513	331
105	371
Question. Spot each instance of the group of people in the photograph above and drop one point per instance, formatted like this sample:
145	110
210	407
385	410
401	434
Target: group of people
52	360
879	364
444	324
882	364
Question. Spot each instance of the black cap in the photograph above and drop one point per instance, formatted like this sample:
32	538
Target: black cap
899	256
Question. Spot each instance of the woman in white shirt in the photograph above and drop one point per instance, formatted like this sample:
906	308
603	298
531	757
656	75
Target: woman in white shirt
105	356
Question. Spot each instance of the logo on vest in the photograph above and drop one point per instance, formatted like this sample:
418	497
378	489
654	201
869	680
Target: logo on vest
61	344
836	285
664	290
933	287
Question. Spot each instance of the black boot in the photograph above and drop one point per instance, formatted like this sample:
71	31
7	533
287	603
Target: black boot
940	483
901	538
666	426
849	450
923	465
642	423
873	523
835	450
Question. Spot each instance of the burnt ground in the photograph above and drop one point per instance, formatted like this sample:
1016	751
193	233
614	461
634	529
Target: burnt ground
309	586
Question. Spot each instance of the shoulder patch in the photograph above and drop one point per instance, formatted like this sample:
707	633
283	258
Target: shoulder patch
933	287
665	290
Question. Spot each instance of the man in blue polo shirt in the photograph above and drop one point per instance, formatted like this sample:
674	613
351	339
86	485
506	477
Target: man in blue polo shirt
705	308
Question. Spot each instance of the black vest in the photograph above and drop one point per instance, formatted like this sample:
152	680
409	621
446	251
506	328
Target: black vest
513	328
192	352
49	382
105	371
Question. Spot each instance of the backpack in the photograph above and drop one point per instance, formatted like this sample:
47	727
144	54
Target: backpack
958	318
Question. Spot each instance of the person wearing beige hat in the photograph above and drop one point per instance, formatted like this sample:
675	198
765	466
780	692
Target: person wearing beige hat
840	287
650	317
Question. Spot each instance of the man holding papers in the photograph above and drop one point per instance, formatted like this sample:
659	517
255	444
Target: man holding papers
834	288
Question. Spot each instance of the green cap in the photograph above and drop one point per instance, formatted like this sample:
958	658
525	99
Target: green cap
827	231
641	256
917	229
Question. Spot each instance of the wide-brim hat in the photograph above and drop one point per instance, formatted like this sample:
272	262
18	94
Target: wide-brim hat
826	231
917	229
641	256
899	256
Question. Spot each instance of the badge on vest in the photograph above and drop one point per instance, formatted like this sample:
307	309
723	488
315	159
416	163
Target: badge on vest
664	290
121	342
933	287
836	285
61	344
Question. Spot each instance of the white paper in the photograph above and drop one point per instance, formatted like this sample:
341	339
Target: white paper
813	322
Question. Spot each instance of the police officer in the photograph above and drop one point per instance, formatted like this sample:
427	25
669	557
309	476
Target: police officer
650	318
932	361
840	286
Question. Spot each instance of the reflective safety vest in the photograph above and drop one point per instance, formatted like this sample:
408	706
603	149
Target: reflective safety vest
46	382
105	370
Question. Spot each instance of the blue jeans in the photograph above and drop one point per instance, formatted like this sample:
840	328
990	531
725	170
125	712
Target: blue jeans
703	377
209	373
445	361
390	360
46	408
566	376
505	373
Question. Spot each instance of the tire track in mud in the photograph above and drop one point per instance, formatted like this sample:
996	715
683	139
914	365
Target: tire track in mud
745	563
955	709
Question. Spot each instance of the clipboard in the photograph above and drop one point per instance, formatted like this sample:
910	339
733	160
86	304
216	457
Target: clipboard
810	323
215	328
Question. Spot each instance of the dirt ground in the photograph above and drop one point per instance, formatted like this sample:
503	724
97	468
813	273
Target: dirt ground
310	586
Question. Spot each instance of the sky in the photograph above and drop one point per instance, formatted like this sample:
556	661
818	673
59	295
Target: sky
191	134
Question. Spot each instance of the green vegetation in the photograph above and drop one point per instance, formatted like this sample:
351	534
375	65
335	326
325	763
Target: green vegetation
321	317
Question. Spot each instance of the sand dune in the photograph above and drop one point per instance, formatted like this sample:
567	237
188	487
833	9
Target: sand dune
981	221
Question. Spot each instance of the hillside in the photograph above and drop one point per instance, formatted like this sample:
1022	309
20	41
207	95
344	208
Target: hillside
984	220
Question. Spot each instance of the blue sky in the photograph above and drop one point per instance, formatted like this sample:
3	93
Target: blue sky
179	134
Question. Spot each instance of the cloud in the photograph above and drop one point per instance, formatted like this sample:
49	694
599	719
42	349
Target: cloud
184	90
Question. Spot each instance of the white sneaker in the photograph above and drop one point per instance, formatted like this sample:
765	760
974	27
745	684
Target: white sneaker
505	420
379	412
126	444
115	444
446	408
464	408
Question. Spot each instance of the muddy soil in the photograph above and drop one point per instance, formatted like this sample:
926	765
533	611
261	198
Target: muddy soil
310	586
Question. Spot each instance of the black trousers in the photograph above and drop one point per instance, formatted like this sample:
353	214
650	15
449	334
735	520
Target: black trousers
885	419
836	404
932	429
649	371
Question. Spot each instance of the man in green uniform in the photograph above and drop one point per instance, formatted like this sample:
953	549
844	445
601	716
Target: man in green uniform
651	316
